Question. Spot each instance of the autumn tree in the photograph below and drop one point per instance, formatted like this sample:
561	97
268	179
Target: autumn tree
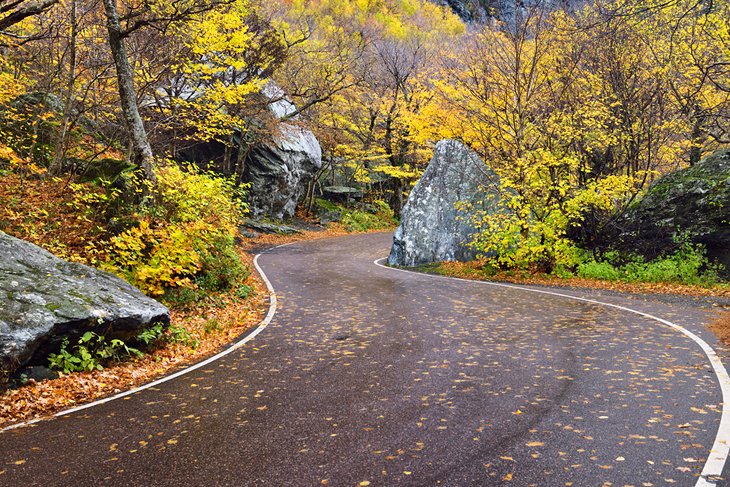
13	12
358	75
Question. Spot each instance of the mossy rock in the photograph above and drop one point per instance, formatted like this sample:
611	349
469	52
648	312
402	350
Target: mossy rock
48	299
108	169
693	202
327	211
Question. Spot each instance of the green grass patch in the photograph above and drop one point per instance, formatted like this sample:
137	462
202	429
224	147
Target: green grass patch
689	265
364	217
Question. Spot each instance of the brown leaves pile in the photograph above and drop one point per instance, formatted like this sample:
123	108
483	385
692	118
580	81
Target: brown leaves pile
721	328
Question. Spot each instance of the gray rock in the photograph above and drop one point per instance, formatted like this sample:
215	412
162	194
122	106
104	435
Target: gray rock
269	228
280	170
45	299
36	373
504	10
463	8
248	233
694	201
279	105
435	224
342	193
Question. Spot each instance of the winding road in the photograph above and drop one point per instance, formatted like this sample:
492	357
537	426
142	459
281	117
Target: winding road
374	376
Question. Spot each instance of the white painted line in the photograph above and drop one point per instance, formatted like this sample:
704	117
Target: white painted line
249	336
718	454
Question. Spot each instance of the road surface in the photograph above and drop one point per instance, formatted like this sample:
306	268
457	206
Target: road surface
374	376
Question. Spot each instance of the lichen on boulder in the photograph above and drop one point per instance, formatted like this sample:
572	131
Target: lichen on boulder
44	299
692	203
279	170
436	223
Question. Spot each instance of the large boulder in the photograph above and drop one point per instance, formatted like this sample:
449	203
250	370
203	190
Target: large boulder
694	202
45	299
436	220
279	171
278	166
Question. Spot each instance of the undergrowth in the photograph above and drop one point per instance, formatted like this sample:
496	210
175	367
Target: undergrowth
178	245
362	217
689	265
93	351
182	246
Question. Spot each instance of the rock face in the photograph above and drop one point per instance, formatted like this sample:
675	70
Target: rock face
279	170
504	10
695	200
433	227
45	299
463	8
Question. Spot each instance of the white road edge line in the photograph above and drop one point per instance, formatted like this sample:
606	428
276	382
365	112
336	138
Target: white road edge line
249	336
718	455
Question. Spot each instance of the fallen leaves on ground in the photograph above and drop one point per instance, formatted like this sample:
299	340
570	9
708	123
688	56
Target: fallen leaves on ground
721	328
42	399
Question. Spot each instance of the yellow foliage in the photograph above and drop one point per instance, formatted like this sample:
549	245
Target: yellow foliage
190	229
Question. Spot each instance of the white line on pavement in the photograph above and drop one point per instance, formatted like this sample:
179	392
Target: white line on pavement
718	455
249	336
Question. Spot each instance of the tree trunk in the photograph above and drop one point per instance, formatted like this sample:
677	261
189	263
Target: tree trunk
141	150
695	151
227	167
60	153
396	197
241	161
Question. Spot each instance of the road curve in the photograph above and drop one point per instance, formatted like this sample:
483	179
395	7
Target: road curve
370	376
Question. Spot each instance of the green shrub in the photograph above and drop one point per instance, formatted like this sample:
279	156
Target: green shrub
221	266
151	334
90	353
598	270
93	351
374	216
212	325
179	334
243	291
688	265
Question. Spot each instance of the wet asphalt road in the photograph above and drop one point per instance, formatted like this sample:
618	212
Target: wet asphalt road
371	376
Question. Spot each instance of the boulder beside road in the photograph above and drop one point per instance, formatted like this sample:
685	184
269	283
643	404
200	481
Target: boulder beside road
44	299
692	202
436	223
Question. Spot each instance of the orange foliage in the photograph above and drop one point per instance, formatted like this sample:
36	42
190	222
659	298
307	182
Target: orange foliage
44	212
